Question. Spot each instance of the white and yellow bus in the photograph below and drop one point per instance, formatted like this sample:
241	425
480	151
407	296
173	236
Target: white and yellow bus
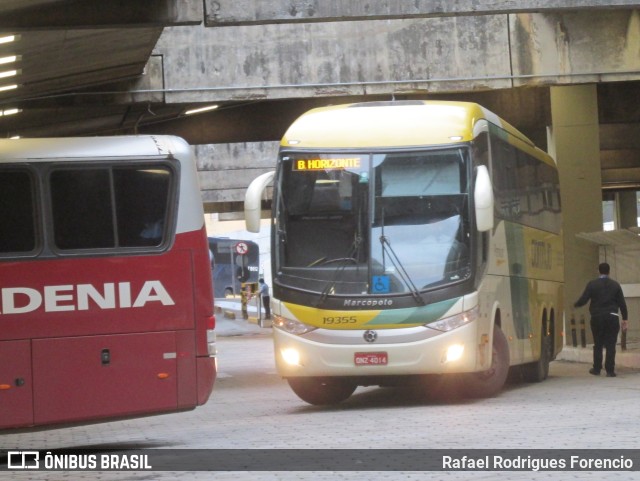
411	238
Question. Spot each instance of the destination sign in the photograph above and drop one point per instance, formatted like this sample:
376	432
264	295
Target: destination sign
327	164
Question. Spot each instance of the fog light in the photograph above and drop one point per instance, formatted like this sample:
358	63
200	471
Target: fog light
454	353
291	356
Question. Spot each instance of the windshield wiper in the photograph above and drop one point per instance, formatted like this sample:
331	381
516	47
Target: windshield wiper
402	272
395	260
344	261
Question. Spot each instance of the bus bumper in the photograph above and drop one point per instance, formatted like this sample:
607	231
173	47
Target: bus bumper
424	356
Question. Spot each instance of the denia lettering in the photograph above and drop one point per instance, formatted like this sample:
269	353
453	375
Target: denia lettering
21	300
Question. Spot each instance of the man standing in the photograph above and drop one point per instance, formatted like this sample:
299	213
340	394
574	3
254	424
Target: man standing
266	299
606	299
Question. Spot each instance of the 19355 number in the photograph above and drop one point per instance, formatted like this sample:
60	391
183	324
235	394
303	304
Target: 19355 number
339	320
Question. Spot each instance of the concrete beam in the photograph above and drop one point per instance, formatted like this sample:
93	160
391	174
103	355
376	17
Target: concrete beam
560	48
620	135
250	12
336	59
620	159
399	57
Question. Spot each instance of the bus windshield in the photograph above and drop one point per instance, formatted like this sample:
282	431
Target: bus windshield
383	223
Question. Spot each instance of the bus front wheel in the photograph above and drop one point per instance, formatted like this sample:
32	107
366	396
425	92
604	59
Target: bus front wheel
490	382
322	391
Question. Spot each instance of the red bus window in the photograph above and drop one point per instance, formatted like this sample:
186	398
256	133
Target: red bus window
114	207
82	212
142	200
17	213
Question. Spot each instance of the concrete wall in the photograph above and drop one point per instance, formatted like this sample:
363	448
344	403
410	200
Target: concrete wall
624	269
225	170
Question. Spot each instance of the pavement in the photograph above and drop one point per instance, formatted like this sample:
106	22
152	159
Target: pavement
230	320
629	358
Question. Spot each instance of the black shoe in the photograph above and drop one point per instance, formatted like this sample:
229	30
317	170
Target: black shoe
611	374
595	372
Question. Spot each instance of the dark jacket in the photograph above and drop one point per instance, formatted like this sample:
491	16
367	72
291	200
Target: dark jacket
606	297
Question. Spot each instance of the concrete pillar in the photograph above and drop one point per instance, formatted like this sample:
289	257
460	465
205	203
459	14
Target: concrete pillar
627	209
575	144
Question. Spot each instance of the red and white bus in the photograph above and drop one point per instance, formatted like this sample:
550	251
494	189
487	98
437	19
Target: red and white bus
106	299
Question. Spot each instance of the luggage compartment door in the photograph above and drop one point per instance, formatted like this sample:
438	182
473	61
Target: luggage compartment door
16	394
82	378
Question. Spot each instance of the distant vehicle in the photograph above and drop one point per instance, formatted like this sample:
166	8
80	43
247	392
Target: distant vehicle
106	303
234	261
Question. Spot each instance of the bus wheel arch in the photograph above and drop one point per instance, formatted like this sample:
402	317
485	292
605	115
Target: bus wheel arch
488	383
322	391
538	371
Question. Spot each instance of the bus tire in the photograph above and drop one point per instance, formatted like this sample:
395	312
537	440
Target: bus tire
489	383
539	370
322	391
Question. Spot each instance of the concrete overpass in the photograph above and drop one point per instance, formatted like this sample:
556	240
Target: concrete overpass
294	55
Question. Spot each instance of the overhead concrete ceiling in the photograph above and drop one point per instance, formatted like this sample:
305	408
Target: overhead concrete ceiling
75	59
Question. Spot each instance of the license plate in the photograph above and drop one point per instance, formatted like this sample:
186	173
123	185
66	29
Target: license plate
370	358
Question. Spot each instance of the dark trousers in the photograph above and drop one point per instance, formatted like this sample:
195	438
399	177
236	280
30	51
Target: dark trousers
605	335
266	302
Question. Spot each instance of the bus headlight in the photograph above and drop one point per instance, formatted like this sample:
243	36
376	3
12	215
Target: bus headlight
453	322
291	356
454	352
291	325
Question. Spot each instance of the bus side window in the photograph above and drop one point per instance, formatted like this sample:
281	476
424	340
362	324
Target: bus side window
17	212
142	199
84	215
81	206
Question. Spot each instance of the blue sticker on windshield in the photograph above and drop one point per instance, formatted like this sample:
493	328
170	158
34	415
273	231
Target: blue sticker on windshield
380	284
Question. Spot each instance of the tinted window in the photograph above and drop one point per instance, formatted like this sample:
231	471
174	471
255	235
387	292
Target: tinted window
82	209
141	205
112	207
526	189
17	211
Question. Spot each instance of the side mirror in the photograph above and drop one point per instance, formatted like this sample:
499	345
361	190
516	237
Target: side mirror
252	201
483	199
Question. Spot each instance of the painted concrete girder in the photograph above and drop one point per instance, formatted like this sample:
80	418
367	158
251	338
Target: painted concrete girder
250	12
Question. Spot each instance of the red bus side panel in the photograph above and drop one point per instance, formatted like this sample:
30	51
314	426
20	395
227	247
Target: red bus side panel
16	402
186	347
103	376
